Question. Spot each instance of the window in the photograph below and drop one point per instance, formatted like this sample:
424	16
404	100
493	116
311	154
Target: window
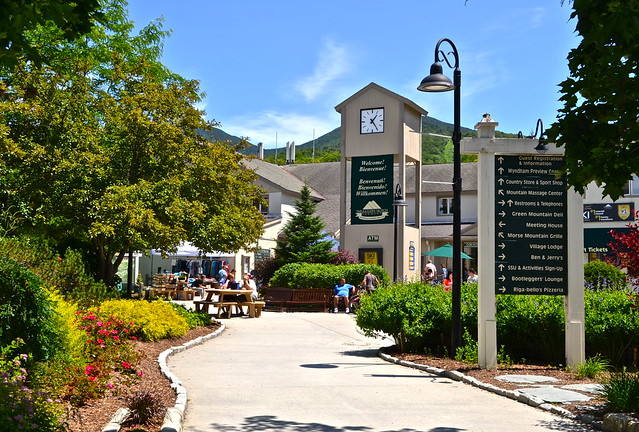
634	185
445	206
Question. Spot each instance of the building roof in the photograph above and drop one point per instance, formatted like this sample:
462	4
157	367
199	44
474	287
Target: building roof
324	177
281	178
372	85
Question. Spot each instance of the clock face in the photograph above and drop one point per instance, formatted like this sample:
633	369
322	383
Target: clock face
371	120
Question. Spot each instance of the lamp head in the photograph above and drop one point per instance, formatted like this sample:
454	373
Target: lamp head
436	81
541	147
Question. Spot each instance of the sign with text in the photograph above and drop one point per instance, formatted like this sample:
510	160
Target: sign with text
609	212
531	250
372	190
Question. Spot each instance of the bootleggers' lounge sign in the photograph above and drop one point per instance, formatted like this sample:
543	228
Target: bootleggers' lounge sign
372	190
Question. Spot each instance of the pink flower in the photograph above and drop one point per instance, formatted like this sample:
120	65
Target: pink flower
126	365
109	385
91	378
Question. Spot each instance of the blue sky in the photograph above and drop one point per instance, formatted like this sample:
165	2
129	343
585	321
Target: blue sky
273	71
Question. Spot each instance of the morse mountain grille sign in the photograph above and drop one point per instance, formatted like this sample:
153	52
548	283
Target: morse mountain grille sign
372	190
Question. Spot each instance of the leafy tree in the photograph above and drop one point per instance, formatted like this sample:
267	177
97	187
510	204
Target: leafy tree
626	247
302	235
598	125
101	151
17	18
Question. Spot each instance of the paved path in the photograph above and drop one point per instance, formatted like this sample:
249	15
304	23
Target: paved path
315	372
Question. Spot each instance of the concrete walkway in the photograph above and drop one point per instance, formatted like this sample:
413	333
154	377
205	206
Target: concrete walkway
316	372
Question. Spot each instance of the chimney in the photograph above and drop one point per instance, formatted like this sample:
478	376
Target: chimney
260	151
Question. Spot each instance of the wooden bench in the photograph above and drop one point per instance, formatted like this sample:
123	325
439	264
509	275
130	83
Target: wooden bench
202	305
311	297
255	308
277	296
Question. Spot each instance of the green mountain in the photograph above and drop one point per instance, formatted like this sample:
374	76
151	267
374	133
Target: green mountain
435	149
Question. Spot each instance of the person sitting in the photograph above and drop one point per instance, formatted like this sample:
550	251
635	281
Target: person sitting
197	285
249	284
232	284
342	291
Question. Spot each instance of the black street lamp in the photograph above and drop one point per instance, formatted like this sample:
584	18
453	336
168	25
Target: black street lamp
438	82
397	203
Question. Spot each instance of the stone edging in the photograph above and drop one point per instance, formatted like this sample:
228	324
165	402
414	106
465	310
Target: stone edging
531	400
174	418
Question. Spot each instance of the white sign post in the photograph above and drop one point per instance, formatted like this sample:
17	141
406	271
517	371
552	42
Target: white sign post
528	242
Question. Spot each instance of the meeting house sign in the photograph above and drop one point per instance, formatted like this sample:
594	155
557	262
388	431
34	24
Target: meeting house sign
371	190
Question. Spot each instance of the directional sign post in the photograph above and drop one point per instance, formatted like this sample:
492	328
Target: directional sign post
530	226
527	219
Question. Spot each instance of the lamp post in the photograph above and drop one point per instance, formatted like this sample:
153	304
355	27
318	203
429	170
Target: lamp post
438	82
397	203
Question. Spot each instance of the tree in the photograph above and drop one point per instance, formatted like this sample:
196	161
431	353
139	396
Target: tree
598	125
626	247
18	18
101	151
302	235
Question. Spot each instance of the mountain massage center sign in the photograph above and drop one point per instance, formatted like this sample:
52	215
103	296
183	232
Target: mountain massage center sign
372	190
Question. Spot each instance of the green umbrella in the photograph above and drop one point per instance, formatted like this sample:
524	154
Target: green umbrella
445	251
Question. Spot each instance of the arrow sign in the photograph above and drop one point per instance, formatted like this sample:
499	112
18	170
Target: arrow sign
501	256
501	267
502	289
501	245
502	278
502	224
502	213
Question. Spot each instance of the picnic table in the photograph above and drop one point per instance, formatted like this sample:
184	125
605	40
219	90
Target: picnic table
226	304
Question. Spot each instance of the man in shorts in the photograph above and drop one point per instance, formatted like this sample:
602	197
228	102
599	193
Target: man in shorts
342	291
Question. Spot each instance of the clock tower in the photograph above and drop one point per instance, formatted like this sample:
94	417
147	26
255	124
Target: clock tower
381	178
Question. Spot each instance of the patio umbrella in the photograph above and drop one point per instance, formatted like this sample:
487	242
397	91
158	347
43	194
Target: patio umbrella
445	251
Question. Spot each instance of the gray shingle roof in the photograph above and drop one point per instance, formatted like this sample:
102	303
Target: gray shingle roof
324	177
282	178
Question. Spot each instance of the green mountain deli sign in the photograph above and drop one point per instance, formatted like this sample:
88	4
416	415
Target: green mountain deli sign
372	190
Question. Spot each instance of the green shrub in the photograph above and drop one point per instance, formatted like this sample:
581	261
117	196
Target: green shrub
621	392
599	275
22	408
592	367
531	326
26	312
414	314
469	351
65	273
193	319
304	275
152	320
612	323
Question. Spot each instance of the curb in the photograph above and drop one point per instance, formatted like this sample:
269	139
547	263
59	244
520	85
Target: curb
511	394
174	417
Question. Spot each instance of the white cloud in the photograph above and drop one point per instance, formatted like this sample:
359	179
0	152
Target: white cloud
268	126
331	64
